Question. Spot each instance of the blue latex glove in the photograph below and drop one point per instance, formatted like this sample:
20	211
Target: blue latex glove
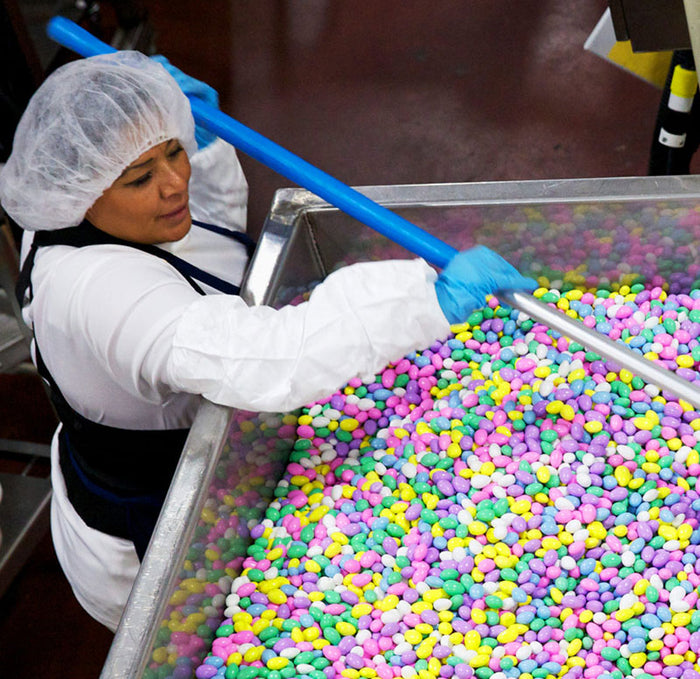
193	88
470	276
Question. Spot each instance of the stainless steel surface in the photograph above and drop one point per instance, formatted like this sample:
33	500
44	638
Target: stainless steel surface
304	239
25	448
24	519
613	351
134	637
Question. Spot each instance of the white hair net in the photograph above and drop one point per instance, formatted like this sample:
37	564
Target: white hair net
82	128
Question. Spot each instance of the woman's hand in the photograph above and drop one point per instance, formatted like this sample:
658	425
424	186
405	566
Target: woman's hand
193	88
470	276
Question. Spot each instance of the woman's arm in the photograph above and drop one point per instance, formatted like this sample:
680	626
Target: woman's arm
257	358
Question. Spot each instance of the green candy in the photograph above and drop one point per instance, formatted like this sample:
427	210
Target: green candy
395	531
485	515
304	657
296	550
493	601
270	632
453	588
610	560
476	318
609	653
256	575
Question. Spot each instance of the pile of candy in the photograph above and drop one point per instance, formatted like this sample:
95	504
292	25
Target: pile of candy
584	245
501	504
242	487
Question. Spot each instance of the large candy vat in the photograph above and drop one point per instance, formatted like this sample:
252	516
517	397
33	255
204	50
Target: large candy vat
587	233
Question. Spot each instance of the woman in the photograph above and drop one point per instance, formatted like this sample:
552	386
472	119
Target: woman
122	286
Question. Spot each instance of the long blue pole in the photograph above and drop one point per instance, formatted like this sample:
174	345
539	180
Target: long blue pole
294	168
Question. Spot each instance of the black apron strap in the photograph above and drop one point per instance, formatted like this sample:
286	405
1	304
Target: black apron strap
86	234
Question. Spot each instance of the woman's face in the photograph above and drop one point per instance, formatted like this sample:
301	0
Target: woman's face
149	202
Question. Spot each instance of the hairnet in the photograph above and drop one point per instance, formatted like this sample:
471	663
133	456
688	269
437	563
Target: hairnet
86	123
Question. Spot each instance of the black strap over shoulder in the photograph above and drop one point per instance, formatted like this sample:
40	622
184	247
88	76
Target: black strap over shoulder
85	234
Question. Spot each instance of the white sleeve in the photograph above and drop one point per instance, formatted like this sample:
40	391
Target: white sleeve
355	322
218	187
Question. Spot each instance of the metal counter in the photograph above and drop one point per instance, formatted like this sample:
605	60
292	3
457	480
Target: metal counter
569	233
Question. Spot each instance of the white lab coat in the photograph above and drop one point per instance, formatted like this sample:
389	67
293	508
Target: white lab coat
132	345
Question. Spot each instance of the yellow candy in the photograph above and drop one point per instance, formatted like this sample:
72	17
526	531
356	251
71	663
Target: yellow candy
477	528
358	610
637	659
312	566
479	617
622	475
235	657
567	412
640	586
673	659
277	663
424	650
625	376
388	603
412	637
574	647
349	424
680	619
333	550
445	629
668	532
317	514
343	628
520	506
480	660
624	614
472	639
543	474
597	531
277	596
431	595
253	654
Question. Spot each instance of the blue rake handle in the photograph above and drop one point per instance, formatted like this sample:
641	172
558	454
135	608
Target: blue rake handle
385	222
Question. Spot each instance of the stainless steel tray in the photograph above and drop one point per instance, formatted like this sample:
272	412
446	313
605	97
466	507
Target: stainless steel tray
579	232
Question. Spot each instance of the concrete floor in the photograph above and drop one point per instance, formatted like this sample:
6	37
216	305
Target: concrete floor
391	92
